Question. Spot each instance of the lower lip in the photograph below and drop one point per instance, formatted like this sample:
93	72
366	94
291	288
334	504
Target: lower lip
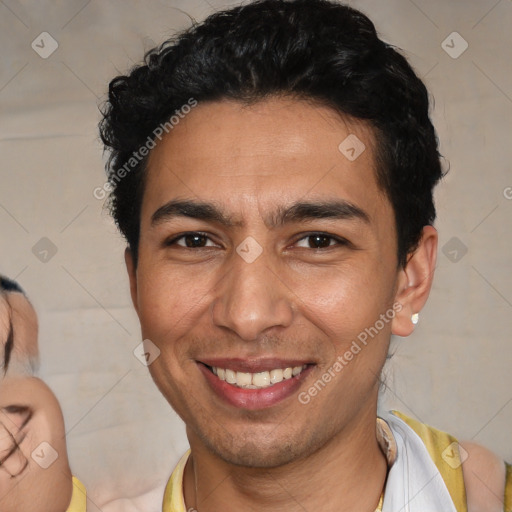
254	399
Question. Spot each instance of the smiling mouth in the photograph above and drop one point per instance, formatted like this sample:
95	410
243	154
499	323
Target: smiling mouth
259	380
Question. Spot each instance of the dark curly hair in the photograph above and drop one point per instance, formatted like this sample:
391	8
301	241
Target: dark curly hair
308	49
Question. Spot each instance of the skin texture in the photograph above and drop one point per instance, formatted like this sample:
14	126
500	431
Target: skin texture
29	415
293	301
33	487
484	476
14	306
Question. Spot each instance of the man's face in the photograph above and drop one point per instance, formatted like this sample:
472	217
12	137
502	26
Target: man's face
272	283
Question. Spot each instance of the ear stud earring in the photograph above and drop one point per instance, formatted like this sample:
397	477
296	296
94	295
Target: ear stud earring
415	318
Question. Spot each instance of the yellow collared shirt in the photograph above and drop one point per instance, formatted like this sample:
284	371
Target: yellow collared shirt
78	498
434	440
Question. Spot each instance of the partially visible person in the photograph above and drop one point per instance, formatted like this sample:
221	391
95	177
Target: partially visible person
34	468
22	357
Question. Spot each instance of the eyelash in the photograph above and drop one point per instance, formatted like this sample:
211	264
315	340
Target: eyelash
340	241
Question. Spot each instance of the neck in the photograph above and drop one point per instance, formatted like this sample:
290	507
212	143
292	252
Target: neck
346	474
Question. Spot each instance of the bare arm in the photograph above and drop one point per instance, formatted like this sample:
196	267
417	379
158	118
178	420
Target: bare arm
484	477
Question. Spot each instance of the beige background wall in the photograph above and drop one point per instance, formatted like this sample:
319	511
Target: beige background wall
123	439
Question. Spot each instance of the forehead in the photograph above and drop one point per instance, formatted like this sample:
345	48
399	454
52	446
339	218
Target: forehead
264	155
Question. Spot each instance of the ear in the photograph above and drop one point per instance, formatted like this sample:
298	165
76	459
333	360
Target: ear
415	281
132	275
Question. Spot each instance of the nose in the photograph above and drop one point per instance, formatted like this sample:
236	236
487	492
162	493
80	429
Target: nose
252	298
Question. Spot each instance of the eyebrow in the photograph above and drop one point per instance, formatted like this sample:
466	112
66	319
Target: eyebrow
297	212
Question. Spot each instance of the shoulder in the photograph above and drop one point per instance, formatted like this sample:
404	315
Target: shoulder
484	478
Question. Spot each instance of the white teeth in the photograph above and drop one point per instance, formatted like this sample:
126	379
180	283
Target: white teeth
258	380
230	377
276	376
243	379
296	370
261	380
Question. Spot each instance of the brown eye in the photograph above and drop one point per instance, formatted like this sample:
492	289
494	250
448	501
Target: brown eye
320	241
193	240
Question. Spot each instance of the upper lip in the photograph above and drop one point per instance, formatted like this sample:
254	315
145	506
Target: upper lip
253	365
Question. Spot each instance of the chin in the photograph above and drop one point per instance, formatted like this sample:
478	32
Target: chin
252	456
263	451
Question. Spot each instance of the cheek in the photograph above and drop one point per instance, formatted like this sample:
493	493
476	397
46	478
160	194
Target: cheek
341	301
170	300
